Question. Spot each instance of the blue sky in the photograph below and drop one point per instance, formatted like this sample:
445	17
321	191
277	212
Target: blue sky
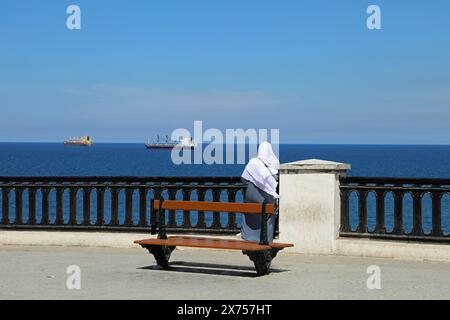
309	68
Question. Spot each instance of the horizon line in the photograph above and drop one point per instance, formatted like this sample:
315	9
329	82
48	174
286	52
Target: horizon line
282	143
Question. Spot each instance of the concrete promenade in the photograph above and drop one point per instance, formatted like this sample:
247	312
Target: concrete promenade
33	272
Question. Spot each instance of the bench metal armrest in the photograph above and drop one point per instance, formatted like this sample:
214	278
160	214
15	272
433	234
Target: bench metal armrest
263	236
153	217
161	220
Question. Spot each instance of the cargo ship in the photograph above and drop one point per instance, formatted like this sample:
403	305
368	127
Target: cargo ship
185	143
84	141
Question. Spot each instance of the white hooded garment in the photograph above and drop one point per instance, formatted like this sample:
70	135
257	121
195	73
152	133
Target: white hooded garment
262	171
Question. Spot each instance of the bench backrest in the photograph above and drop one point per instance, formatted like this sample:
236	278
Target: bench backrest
161	205
214	206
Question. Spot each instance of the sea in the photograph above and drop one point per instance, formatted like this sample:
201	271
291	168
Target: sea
133	159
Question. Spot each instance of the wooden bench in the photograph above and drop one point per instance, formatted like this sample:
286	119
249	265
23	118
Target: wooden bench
260	253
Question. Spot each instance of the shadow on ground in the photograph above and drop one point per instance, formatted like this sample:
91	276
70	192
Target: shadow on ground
210	268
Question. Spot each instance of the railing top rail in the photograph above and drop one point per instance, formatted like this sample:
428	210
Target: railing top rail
123	179
394	180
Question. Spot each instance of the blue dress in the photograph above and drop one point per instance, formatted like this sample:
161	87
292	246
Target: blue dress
251	223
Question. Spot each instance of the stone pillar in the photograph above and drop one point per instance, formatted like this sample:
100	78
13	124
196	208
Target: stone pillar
310	205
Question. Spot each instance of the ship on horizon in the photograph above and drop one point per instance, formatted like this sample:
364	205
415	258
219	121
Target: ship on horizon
84	141
185	143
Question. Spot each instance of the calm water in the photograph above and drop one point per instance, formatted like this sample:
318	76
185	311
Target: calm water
37	159
41	159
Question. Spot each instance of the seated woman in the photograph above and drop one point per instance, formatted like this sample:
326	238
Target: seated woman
261	176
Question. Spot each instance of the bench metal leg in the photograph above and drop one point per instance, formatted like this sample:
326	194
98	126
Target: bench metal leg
261	259
274	252
161	254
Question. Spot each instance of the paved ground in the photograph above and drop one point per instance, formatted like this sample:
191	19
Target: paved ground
40	273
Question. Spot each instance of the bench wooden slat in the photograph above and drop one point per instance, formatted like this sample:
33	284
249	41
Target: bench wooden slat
213	243
214	206
209	243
